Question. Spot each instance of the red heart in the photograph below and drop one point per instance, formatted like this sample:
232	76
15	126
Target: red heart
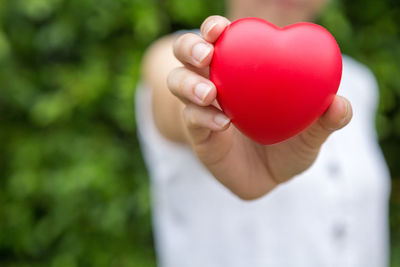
274	82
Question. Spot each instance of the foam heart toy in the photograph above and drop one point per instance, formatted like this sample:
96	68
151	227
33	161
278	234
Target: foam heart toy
275	82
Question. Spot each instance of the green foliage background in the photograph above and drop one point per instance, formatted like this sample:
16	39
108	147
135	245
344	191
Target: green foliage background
73	186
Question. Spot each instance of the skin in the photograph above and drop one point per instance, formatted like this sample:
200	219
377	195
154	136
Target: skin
185	108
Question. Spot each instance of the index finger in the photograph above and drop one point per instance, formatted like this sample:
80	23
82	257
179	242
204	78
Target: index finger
195	51
212	28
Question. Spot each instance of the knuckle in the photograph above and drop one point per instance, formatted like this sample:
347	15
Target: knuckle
189	116
325	127
180	43
171	77
186	40
177	44
188	83
309	145
173	80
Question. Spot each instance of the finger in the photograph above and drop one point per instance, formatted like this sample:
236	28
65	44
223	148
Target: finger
212	28
191	49
201	121
190	87
336	117
338	114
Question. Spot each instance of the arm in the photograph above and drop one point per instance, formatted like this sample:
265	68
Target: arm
248	169
158	62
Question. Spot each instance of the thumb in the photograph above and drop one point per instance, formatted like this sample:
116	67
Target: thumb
335	117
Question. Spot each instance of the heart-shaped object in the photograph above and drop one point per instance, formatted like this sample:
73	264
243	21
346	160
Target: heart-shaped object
275	82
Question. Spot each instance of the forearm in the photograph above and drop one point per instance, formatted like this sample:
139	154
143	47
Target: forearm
167	109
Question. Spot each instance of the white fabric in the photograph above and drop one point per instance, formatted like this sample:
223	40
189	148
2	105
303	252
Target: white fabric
334	214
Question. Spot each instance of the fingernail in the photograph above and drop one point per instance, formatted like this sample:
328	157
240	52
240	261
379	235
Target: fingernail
210	28
345	114
200	51
221	120
201	90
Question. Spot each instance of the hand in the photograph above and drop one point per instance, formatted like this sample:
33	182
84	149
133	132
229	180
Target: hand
247	168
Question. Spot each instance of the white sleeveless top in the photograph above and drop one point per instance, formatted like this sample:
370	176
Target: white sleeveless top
334	214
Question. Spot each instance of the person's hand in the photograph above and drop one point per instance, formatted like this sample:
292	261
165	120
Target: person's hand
247	168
